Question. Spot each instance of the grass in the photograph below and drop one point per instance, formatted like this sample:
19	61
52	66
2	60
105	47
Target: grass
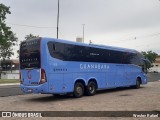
4	81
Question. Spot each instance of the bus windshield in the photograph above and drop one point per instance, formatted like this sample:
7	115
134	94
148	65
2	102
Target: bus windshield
30	54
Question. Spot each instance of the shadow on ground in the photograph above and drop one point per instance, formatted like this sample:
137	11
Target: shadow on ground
51	98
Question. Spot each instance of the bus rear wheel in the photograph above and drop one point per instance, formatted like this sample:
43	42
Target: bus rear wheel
56	95
78	90
91	88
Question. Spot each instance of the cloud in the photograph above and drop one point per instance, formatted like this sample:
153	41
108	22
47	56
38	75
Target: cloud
102	18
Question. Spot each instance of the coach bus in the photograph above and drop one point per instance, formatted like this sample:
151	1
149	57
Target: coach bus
54	66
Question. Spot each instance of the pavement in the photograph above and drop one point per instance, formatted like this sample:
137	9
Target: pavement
147	98
14	89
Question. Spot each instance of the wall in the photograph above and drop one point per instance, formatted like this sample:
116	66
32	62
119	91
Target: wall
156	65
10	75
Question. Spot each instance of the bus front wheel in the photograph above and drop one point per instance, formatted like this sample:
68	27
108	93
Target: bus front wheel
91	88
138	84
78	90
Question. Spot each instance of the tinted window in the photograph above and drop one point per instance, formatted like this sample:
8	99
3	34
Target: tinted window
136	58
30	54
69	52
126	57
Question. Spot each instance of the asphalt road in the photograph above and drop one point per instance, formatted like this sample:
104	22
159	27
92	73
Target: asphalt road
147	98
12	90
153	77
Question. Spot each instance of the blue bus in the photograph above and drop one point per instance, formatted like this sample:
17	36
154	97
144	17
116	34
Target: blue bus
54	66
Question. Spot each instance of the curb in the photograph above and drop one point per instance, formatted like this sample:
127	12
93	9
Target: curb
9	84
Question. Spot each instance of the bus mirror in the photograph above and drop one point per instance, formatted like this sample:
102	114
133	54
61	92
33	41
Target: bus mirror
145	71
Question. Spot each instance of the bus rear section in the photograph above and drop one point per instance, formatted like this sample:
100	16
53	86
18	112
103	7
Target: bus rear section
33	77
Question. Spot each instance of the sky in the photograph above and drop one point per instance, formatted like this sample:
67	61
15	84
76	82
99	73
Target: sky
131	24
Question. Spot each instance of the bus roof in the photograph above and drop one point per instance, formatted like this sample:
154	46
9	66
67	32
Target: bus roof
91	45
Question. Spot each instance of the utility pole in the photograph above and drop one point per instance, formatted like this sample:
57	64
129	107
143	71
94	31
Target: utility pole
83	32
58	20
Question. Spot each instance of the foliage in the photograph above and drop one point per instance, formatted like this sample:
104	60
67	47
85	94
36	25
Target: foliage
30	36
151	56
7	37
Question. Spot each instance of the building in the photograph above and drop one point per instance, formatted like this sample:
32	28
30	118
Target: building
156	65
79	39
9	69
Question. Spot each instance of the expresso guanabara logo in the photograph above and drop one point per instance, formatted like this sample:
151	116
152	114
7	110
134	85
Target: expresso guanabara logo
93	66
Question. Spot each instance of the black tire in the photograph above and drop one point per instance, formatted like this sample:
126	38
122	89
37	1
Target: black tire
91	88
78	90
56	95
138	84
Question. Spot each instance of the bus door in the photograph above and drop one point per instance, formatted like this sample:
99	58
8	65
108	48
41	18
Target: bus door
120	81
129	74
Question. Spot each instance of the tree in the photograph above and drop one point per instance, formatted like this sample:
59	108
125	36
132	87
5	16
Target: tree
151	56
7	37
30	36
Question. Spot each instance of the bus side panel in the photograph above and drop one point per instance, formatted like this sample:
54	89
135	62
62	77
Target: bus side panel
144	78
110	79
68	82
131	74
137	73
55	82
111	76
70	79
83	73
99	77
